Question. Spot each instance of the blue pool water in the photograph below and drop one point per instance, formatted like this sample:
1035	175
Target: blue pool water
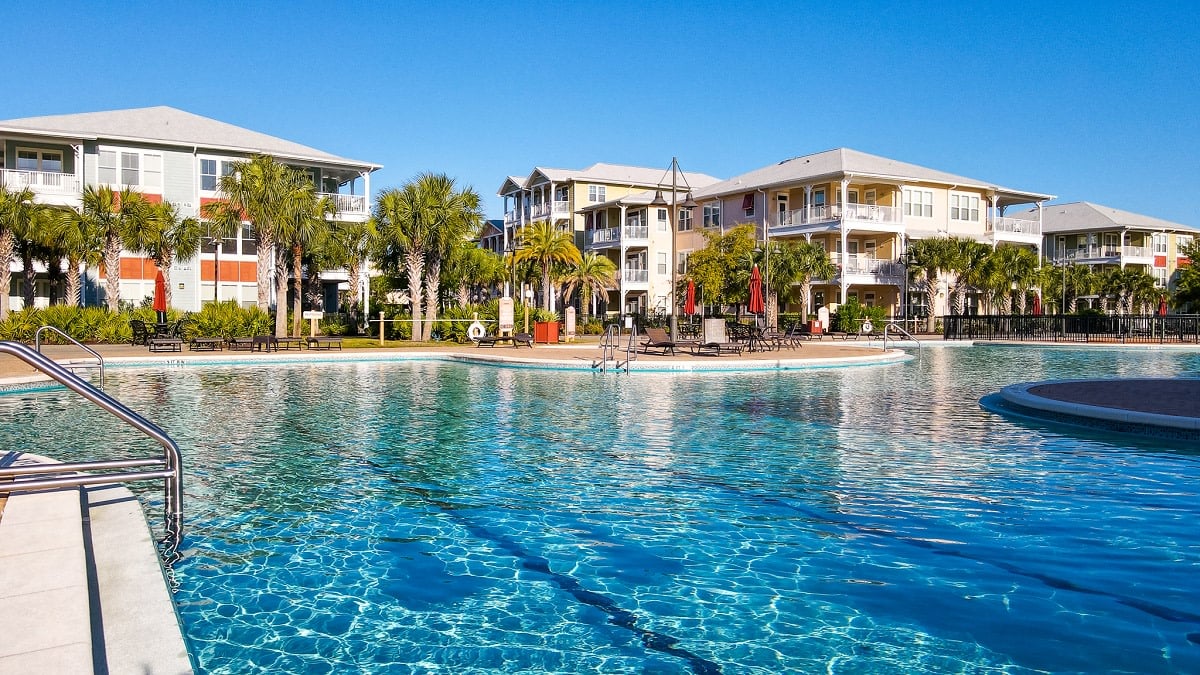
433	517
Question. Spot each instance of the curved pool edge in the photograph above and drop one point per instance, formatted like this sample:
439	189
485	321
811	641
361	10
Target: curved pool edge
1017	400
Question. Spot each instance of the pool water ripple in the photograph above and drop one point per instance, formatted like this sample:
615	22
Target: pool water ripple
424	517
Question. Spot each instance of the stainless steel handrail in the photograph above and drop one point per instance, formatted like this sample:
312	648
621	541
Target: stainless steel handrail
171	461
37	343
899	329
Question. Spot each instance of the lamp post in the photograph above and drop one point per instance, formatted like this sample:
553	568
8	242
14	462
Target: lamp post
672	217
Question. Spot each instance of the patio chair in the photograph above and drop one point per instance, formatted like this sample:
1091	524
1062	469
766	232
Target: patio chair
657	338
141	335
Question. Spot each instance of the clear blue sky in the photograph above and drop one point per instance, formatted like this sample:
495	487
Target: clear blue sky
1088	101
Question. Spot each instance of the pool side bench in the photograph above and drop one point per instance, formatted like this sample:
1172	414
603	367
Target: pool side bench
517	340
324	342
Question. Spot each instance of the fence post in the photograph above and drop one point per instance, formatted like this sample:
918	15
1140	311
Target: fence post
381	330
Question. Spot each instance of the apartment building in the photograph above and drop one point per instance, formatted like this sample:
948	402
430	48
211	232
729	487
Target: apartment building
863	210
1084	233
608	208
172	155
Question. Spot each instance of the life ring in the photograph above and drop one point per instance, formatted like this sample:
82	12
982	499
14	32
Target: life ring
476	331
867	327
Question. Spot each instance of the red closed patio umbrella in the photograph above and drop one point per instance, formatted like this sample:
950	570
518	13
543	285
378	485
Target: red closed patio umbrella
160	297
689	301
1037	304
1162	305
756	305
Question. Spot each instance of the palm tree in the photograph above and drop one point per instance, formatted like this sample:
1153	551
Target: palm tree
473	271
348	245
545	244
36	242
1014	269
812	262
302	226
165	237
76	240
263	192
454	216
592	275
929	257
16	217
969	262
113	216
404	237
1081	280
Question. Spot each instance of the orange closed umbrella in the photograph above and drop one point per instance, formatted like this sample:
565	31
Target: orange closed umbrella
160	297
756	305
689	302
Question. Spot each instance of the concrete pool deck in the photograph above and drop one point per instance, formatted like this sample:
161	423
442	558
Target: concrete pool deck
1157	407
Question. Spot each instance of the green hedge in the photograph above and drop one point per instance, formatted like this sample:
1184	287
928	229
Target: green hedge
98	325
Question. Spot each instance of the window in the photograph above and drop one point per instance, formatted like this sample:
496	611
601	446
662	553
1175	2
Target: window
712	215
249	246
39	160
601	220
1160	243
1	157
869	248
209	178
1160	277
748	204
918	203
152	173
681	261
129	169
560	194
662	221
870	198
964	207
662	263
596	193
1182	241
685	220
818	197
869	299
107	167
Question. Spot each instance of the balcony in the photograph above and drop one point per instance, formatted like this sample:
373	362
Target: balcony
823	217
50	186
556	209
1112	254
612	236
1014	229
860	268
637	276
511	217
346	205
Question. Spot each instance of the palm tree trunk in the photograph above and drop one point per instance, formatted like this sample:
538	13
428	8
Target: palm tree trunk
30	276
931	293
281	279
415	262
546	286
73	282
353	275
266	255
112	272
6	258
297	265
165	262
433	275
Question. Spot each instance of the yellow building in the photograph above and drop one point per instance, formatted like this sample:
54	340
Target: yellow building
863	209
607	207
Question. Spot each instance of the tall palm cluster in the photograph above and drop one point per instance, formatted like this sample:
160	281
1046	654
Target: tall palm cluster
108	222
1006	276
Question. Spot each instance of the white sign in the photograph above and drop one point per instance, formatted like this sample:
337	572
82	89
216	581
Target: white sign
506	315
313	314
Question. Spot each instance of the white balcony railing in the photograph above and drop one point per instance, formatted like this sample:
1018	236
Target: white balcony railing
1137	252
510	217
637	232
861	264
40	181
1015	226
562	208
825	213
1109	251
346	203
607	235
637	276
539	211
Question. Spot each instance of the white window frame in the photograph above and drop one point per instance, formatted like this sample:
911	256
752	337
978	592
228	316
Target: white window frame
964	207
596	193
663	262
1160	276
663	226
918	203
136	162
685	220
681	261
41	159
869	248
221	165
712	214
1182	241
1160	242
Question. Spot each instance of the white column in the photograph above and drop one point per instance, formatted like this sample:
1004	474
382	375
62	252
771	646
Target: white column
621	264
807	204
845	246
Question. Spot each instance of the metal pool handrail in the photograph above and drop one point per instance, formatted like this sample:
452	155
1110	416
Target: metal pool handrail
28	478
37	343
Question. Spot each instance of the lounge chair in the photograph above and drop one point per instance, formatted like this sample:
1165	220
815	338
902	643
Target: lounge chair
657	338
325	342
717	348
165	344
206	344
517	340
141	334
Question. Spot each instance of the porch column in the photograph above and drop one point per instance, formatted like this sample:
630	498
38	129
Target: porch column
845	282
807	204
622	266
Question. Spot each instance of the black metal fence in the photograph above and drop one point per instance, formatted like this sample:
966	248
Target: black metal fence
1128	329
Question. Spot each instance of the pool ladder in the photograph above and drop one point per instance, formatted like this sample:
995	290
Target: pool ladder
896	328
73	367
168	467
610	346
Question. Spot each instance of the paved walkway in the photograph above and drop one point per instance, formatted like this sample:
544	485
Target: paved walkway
1176	397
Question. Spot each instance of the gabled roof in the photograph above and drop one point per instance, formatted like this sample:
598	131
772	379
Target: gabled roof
640	198
1086	216
613	174
170	126
847	162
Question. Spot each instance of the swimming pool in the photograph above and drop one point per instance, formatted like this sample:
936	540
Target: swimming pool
435	517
